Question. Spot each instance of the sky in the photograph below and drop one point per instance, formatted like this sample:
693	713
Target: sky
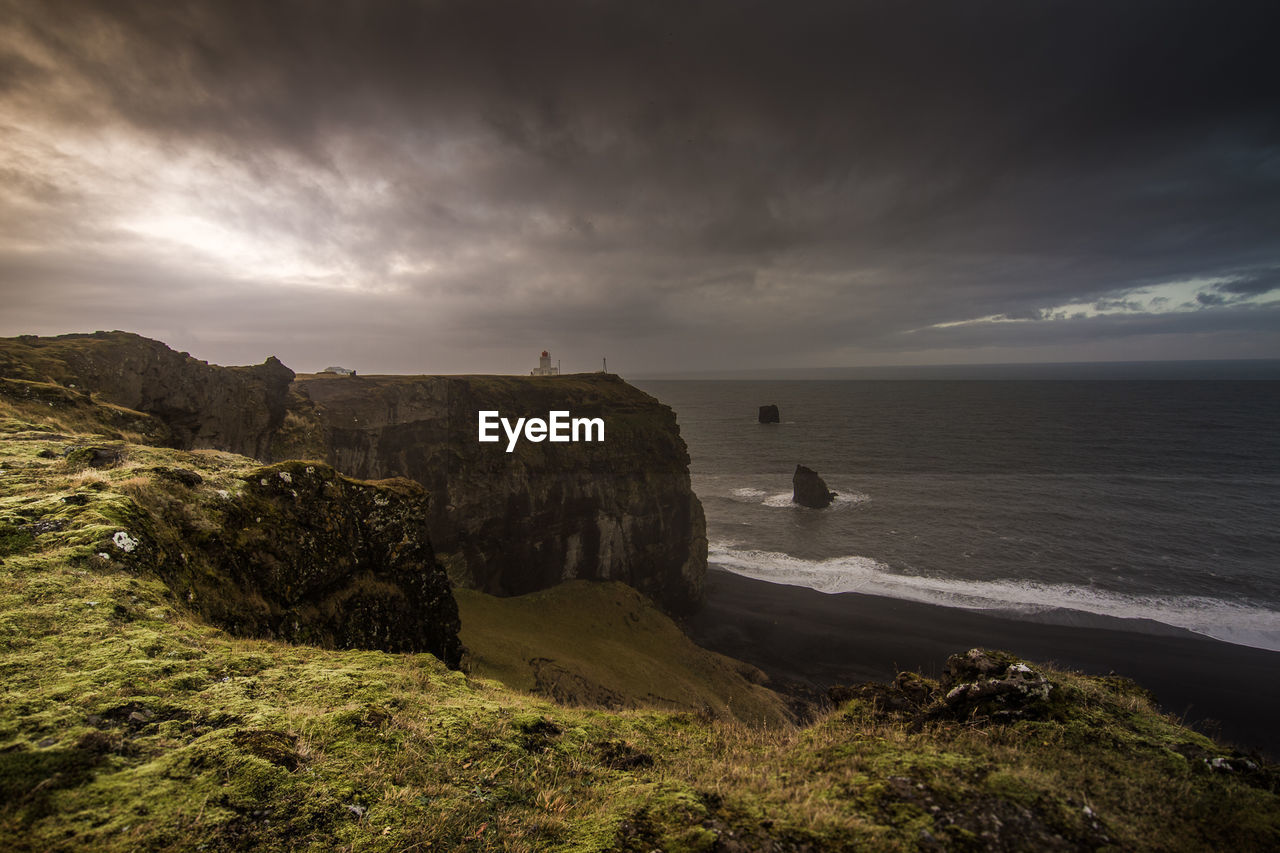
452	187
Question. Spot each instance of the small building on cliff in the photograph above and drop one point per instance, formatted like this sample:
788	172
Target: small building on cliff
544	367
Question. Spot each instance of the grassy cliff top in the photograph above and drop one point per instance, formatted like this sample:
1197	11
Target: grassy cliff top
55	358
127	723
588	392
605	645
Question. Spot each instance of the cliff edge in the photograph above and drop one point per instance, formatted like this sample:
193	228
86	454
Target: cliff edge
236	409
514	522
620	509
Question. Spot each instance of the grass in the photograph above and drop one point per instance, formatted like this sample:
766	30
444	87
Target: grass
129	723
605	645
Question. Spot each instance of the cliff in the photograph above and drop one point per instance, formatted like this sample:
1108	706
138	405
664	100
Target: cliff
510	523
236	409
505	523
292	551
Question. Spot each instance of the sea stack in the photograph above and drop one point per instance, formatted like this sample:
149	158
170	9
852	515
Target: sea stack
809	490
769	415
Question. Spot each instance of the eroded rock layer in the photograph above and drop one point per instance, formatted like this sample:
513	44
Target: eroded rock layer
513	522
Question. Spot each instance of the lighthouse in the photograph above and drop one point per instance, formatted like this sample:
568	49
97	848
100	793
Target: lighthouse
544	367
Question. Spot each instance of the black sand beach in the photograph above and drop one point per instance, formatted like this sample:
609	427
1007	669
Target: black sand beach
798	634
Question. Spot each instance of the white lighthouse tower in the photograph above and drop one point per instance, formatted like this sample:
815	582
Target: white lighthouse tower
544	367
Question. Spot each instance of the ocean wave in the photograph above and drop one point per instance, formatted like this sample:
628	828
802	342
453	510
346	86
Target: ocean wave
1223	620
749	494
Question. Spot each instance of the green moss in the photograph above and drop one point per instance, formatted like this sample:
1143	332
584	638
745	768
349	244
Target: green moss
14	540
129	723
602	644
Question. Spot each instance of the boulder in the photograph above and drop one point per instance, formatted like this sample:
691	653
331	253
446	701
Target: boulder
809	490
96	457
993	684
769	415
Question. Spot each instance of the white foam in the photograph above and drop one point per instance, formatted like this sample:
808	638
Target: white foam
842	500
749	493
1222	620
783	499
839	574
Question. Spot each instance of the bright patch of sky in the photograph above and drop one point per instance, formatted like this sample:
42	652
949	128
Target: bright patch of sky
1173	297
180	207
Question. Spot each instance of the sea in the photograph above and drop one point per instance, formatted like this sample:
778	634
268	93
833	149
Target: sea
1052	500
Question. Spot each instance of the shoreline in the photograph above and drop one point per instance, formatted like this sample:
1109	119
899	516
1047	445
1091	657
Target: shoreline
819	639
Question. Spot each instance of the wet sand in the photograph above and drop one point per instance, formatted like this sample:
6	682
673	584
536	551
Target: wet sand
798	634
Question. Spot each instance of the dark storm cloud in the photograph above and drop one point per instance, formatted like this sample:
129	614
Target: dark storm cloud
1252	285
667	181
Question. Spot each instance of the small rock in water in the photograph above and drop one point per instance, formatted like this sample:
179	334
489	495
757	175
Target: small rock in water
769	415
808	489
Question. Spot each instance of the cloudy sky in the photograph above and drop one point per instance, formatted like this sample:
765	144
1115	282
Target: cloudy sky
453	186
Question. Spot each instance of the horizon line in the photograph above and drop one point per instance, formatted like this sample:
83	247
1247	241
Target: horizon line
1224	368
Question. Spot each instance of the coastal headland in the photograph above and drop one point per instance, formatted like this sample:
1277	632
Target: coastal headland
246	610
506	523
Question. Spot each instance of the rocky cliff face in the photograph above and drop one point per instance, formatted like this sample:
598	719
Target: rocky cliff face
505	523
297	552
510	523
204	406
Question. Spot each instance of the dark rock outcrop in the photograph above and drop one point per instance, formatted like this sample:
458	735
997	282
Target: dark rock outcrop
808	489
977	685
993	684
511	523
302	554
203	405
769	415
96	457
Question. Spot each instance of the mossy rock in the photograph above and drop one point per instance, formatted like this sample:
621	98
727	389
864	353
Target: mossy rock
306	555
